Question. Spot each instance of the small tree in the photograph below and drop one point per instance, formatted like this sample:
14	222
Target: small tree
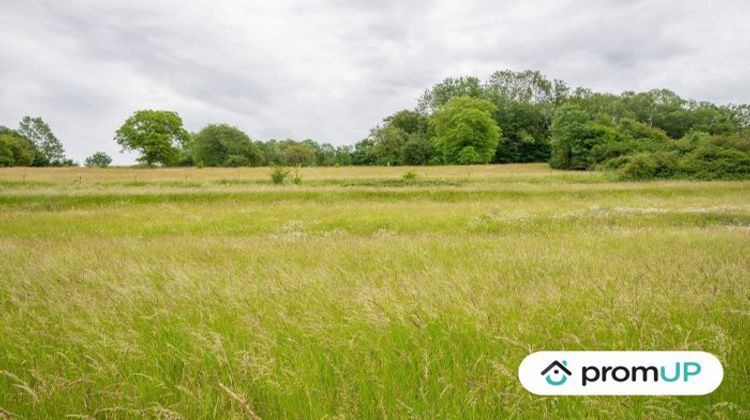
98	160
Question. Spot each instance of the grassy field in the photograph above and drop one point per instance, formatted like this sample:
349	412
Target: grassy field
212	293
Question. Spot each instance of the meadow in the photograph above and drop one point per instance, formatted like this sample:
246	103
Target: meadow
211	293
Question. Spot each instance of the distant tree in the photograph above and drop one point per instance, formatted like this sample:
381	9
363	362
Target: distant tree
185	151
450	88
98	160
344	155
528	87
570	143
325	155
575	135
466	123
224	145
15	151
525	136
157	135
271	152
294	153
316	149
389	140
363	152
389	144
50	149
417	151
411	122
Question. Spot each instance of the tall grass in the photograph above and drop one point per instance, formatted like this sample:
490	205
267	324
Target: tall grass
321	300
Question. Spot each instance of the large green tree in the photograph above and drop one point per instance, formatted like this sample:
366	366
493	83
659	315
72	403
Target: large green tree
157	135
465	131
50	150
224	145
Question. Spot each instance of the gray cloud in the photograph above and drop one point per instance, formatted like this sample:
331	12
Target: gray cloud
331	69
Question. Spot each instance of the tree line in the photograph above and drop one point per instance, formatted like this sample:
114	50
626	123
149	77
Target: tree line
510	117
32	144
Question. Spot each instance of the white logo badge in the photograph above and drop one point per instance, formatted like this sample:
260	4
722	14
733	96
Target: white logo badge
620	373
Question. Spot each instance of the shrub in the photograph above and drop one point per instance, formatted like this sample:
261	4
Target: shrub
279	174
713	162
297	179
640	166
409	176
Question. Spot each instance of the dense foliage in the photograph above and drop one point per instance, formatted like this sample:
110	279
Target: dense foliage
640	135
222	145
48	149
16	151
157	135
465	131
511	117
33	144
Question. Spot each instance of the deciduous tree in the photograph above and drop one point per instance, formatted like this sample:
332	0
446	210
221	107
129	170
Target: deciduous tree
157	135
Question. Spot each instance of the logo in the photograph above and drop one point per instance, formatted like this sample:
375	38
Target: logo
621	373
557	368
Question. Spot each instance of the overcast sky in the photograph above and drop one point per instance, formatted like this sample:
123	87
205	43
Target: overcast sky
331	69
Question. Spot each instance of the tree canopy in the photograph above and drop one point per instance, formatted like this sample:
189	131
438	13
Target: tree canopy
512	116
465	131
16	151
157	135
98	160
223	145
49	150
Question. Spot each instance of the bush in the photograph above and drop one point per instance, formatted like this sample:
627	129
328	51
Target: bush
409	176
297	179
713	162
279	174
639	167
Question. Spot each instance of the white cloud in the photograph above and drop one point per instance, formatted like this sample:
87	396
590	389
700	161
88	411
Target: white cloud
331	69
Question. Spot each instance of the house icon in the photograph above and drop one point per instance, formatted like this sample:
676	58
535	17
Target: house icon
557	368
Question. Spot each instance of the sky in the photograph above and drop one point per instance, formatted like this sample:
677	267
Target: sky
332	69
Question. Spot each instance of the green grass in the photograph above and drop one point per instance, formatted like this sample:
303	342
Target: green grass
207	293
